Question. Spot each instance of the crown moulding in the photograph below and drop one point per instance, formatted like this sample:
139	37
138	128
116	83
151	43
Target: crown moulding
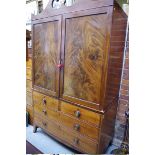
79	5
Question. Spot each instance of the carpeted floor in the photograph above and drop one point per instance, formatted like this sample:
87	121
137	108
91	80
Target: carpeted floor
30	149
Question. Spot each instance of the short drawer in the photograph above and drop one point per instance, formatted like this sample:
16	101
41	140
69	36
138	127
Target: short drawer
29	85
49	126
81	143
44	101
81	113
28	73
79	127
28	98
46	113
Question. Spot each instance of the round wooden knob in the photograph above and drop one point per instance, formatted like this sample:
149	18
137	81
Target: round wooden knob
77	114
76	141
44	101
44	111
77	127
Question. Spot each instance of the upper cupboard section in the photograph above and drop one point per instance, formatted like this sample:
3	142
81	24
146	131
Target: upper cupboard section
71	55
84	54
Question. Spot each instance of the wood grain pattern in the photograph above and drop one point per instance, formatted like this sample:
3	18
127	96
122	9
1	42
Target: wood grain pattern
92	41
85	49
46	113
46	51
29	102
29	98
116	51
29	85
83	143
107	127
51	127
28	73
85	115
80	142
83	128
44	101
29	64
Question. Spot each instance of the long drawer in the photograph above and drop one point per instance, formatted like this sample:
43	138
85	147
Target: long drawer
78	126
44	101
80	142
80	113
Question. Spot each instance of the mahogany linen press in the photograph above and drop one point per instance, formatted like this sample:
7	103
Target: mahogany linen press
76	72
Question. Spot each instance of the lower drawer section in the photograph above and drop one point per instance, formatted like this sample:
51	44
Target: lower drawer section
81	143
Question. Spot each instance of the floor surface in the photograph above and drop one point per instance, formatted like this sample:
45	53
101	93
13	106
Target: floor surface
30	149
48	145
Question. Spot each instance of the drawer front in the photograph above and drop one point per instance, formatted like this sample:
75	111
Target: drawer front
28	98
47	113
29	63
77	126
28	73
44	101
51	127
29	85
80	113
80	142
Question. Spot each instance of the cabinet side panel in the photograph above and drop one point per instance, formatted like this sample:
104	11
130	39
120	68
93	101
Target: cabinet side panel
117	44
107	127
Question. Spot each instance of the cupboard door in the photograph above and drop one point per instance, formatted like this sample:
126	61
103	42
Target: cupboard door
84	55
46	47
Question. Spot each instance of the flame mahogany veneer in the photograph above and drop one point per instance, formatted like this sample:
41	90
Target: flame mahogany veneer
77	64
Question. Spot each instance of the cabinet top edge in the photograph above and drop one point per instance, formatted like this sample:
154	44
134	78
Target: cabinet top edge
78	6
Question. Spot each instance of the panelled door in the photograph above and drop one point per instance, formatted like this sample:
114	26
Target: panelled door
46	55
84	56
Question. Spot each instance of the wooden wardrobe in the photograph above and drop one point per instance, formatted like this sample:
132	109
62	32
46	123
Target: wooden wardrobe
77	66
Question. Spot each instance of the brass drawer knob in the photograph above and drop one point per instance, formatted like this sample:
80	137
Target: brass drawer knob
77	113
44	101
44	111
76	141
77	127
